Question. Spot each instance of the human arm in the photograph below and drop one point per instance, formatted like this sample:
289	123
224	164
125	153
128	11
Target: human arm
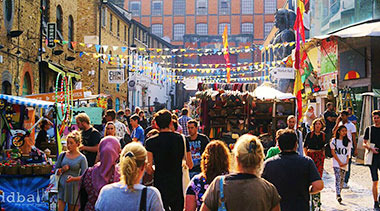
190	199
73	179
366	142
204	208
156	200
149	166
332	146
189	159
276	208
316	187
89	148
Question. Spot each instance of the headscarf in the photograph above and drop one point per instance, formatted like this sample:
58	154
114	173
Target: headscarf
109	152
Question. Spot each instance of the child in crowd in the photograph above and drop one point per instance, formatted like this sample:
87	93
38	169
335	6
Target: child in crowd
341	150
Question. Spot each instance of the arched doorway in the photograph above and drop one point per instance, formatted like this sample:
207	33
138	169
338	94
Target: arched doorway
27	85
6	88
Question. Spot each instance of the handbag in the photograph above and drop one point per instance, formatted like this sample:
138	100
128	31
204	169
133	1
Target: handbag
221	204
368	154
143	200
185	170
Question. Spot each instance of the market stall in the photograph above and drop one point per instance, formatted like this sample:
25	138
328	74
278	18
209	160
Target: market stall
229	113
24	169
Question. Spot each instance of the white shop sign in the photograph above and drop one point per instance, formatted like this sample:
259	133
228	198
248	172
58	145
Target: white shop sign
116	76
283	73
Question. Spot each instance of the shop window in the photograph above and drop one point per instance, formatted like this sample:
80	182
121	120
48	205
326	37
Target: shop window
117	104
224	7
71	31
267	28
157	8
9	7
59	21
202	29
179	7
135	8
201	7
247	6
157	29
118	29
110	22
270	6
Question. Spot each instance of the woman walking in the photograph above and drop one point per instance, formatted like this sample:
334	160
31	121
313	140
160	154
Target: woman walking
70	165
215	161
102	173
244	190
341	150
129	194
314	147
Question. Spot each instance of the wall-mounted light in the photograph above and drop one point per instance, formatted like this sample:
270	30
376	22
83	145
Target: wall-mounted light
57	52
69	58
15	33
1	46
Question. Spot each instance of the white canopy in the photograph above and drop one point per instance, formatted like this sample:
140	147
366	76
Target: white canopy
371	29
268	93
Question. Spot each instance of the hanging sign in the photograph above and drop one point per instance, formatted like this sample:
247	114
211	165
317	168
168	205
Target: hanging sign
77	94
283	73
115	76
51	34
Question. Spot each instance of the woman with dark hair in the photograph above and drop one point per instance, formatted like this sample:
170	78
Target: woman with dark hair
142	121
42	135
341	150
102	173
314	147
215	161
245	189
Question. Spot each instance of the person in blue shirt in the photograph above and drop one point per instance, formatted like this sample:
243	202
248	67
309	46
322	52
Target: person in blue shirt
138	131
352	116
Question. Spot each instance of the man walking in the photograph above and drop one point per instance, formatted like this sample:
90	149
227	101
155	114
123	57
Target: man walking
351	134
166	151
138	131
90	138
372	136
291	122
197	143
183	120
330	118
294	176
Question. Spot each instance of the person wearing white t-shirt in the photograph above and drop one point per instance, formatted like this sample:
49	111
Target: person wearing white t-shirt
351	135
341	151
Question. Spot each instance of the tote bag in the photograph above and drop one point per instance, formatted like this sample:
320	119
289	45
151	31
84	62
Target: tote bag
368	154
185	170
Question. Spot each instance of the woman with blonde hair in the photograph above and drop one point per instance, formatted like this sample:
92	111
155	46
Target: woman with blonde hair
70	165
129	194
237	191
215	161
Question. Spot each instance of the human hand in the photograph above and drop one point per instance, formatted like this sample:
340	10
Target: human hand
342	164
65	168
69	179
81	147
375	150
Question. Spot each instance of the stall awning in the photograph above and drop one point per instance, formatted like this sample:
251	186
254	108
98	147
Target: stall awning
268	93
26	101
58	70
371	29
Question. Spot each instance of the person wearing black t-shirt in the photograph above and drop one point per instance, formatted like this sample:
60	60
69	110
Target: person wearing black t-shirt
166	151
372	136
90	138
42	136
330	119
198	143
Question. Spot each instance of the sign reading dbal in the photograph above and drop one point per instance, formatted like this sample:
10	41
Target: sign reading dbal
23	193
115	76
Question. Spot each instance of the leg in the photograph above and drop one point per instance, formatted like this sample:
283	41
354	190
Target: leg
374	190
342	176
337	180
61	205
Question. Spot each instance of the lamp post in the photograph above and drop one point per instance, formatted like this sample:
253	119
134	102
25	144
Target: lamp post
100	39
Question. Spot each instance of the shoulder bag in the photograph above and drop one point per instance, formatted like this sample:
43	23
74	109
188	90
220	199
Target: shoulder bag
222	200
368	154
185	169
143	200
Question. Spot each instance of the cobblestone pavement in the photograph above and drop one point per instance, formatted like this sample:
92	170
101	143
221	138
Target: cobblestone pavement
357	197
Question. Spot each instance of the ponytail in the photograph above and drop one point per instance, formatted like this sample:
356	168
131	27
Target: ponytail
132	159
249	152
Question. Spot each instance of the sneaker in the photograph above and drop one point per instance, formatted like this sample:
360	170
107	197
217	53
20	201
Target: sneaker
376	205
345	186
339	198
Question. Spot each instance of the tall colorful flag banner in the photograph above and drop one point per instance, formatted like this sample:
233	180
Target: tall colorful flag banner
300	33
226	53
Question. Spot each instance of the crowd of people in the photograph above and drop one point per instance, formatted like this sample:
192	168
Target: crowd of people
129	164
